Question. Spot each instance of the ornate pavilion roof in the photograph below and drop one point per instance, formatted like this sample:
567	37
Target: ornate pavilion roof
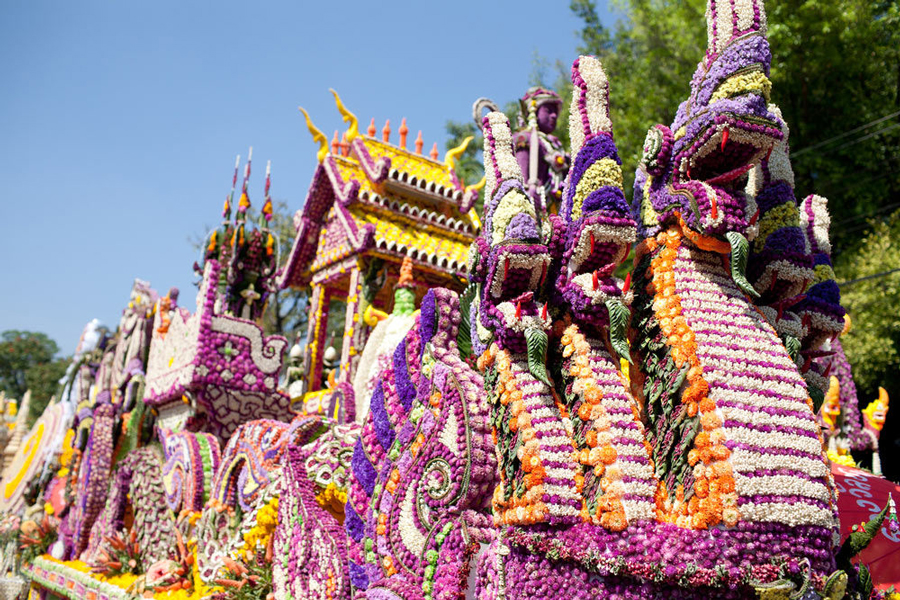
375	197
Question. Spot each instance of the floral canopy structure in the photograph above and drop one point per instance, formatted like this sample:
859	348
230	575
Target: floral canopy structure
372	203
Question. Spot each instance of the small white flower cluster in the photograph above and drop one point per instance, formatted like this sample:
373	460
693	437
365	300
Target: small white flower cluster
523	322
585	282
537	263
791	514
788	324
499	155
722	26
746	461
779	161
781	485
821	221
594	93
603	234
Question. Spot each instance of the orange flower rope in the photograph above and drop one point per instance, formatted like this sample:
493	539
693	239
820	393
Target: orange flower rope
600	455
714	500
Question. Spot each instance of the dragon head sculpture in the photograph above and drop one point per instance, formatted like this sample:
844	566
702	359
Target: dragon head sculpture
694	172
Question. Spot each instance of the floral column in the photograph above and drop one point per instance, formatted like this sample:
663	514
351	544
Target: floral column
315	339
352	327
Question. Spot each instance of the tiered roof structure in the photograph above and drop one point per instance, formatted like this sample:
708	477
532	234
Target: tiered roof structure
373	199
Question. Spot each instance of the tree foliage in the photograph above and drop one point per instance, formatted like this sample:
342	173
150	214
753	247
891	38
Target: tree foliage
871	297
287	311
43	381
27	362
871	294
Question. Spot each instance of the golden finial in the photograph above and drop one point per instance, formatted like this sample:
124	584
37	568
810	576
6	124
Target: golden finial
349	117
318	136
454	153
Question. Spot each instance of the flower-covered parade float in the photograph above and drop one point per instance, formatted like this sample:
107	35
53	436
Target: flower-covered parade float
503	416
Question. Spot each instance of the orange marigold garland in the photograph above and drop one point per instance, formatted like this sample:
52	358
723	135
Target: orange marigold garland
712	498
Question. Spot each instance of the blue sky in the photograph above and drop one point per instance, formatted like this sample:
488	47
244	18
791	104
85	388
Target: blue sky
120	122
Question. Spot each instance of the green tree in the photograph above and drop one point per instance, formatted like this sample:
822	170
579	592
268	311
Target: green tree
870	291
27	362
43	381
287	313
871	294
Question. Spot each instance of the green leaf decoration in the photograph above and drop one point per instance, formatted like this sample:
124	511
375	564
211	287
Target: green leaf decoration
816	395
792	345
776	590
536	340
858	540
618	322
464	333
836	584
740	250
865	583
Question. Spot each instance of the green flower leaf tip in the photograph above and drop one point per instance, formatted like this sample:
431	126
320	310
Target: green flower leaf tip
618	323
859	540
536	340
792	345
740	250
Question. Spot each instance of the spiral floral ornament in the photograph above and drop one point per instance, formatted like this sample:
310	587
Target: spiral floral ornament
657	149
432	479
191	461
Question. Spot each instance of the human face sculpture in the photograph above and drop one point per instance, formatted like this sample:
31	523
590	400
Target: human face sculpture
547	114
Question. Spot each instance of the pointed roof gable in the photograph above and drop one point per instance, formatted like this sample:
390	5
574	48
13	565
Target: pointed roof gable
387	200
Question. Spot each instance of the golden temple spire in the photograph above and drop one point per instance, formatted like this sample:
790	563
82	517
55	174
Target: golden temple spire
317	135
349	117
